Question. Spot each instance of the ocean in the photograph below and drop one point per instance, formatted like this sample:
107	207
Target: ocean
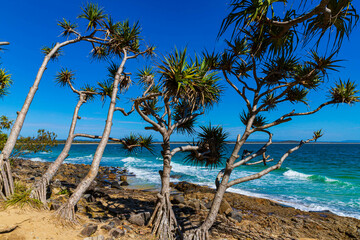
317	177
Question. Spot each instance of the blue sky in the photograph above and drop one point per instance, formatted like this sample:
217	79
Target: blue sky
29	25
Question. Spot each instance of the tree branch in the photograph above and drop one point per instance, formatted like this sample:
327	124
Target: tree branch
184	149
321	8
122	110
269	169
258	153
147	119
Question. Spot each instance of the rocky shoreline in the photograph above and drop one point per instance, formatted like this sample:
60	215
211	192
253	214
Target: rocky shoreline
110	209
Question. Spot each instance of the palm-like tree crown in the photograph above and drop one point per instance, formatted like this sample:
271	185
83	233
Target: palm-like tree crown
212	143
64	77
5	82
344	92
190	81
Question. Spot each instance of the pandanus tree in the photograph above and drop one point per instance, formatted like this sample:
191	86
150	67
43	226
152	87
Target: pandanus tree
97	32
124	42
185	89
5	78
5	82
263	65
65	78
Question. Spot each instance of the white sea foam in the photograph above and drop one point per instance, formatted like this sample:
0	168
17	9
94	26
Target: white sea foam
37	159
131	160
297	203
44	153
88	157
296	175
148	176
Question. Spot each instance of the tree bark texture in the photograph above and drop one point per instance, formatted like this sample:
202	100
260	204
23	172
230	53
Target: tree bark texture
39	188
67	211
163	220
6	179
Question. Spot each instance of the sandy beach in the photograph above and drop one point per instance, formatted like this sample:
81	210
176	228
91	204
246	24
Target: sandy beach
241	217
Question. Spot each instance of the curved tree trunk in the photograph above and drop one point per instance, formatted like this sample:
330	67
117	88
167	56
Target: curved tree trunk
39	188
67	211
163	221
6	179
202	233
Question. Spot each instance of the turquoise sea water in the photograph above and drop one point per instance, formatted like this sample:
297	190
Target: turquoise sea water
317	177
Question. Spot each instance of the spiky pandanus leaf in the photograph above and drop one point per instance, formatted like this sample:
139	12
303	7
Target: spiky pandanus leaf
189	81
343	19
5	123
212	147
258	121
297	94
279	68
150	106
134	142
90	96
64	77
322	63
344	92
105	89
68	27
242	69
246	12
146	142
124	36
5	82
269	100
238	46
125	83
280	40
99	53
46	50
307	76
212	59
227	61
129	141
94	14
318	134
182	111
146	75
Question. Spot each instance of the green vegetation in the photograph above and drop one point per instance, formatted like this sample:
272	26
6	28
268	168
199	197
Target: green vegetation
21	197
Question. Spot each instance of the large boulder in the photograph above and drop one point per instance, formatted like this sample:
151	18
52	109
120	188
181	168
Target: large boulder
225	207
89	230
139	219
116	232
177	199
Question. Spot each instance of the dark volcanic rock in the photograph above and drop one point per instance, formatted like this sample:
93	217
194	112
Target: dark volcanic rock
236	215
89	230
116	185
106	227
178	199
139	219
116	232
124	183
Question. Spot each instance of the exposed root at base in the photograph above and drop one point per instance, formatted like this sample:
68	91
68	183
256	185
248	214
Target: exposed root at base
198	234
39	191
163	221
67	216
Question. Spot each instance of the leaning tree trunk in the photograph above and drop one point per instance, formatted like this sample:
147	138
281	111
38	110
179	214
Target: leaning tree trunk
202	233
6	179
67	211
39	188
163	221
